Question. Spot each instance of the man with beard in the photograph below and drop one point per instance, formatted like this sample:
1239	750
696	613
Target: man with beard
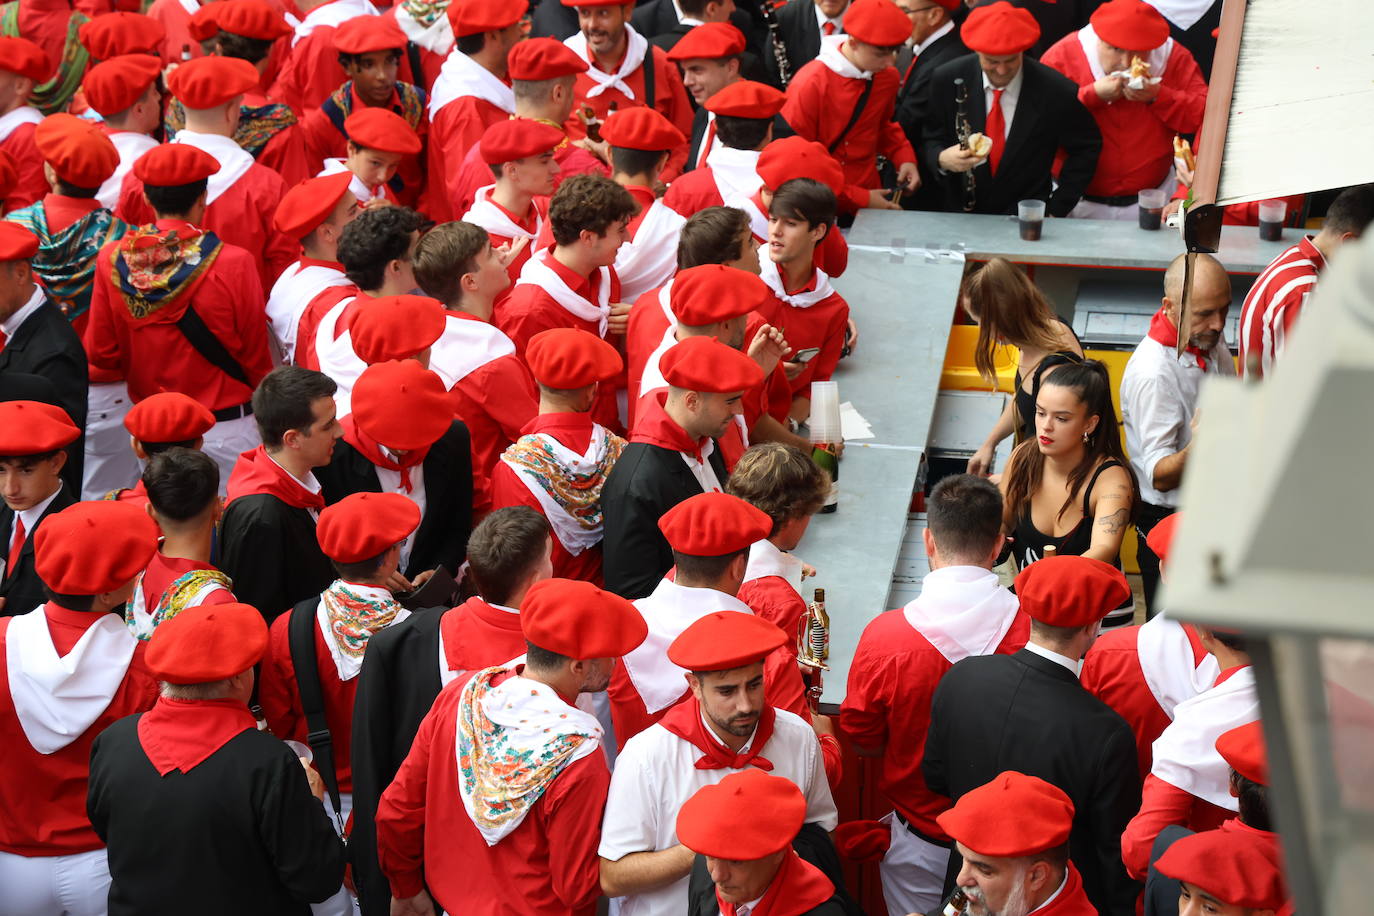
1159	394
1013	834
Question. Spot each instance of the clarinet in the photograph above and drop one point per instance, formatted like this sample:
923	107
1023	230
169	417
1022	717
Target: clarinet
962	130
770	17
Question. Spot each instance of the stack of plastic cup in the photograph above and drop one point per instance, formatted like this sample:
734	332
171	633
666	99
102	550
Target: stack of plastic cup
825	413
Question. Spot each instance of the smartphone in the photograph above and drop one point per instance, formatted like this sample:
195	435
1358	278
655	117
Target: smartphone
804	356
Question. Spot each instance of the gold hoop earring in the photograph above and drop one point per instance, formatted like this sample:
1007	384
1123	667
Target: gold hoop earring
1086	439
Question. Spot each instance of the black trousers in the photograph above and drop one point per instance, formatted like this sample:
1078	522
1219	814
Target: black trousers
1147	516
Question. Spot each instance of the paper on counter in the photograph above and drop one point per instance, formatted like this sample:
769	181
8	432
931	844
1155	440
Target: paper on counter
852	423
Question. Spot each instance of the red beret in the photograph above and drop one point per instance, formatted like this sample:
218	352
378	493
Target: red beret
382	129
202	26
19	55
473	17
712	293
168	416
114	34
713	525
8	176
710	41
402	405
396	327
249	18
518	138
1131	25
998	29
567	358
543	59
308	204
748	99
1161	536
580	621
1014	815
94	547
16	242
1243	748
794	157
709	823
642	129
725	640
116	84
207	642
209	82
366	34
364	525
32	427
706	364
78	150
1239	868
877	22
171	164
862	841
1070	591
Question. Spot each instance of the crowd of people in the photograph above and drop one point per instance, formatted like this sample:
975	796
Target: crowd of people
447	367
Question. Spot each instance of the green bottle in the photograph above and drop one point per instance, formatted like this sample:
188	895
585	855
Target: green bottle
825	455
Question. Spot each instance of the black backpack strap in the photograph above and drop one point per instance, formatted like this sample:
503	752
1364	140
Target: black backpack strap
854	118
301	636
200	337
649	66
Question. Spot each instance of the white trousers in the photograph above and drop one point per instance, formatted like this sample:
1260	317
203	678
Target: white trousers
913	871
110	463
342	903
226	440
1087	209
74	885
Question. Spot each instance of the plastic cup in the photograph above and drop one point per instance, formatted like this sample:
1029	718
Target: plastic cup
302	751
1030	219
1272	214
1151	209
825	413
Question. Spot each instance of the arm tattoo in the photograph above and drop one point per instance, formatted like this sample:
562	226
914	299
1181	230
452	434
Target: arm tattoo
1114	523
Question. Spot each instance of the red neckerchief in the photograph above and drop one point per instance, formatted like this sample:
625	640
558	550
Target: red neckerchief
684	720
653	426
255	472
306	261
1163	332
645	198
182	734
797	888
309	324
571	428
371	449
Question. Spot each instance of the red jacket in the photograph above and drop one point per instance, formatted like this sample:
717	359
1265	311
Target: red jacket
29	184
454	130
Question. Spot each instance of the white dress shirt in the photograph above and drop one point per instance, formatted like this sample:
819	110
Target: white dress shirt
1075	667
822	19
1011	92
933	37
10	326
391	483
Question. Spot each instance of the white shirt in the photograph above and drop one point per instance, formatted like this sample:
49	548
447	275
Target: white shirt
1159	393
10	326
290	296
1011	92
30	518
822	19
702	470
655	773
1076	667
933	37
391	483
311	484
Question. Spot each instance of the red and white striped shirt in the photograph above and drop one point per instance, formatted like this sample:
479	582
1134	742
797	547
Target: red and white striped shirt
1274	302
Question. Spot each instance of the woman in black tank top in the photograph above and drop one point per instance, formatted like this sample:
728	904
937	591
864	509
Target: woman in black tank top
1071	487
1008	309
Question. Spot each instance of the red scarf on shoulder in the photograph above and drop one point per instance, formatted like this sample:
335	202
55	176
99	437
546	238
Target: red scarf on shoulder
653	426
256	472
182	734
797	888
371	449
684	720
1163	332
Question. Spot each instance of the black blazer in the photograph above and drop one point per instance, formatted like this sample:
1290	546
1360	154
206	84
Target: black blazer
396	687
1048	117
1024	712
1056	18
270	551
23	590
442	538
801	36
699	121
46	345
911	98
646	482
551	19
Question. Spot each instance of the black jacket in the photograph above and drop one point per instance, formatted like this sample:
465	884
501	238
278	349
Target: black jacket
551	19
46	345
699	123
442	538
911	99
239	833
396	687
1024	712
813	845
23	590
1048	118
646	482
270	551
801	36
1056	18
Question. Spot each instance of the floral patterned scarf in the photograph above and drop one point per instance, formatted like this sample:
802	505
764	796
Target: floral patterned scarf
350	614
152	270
65	261
514	737
258	124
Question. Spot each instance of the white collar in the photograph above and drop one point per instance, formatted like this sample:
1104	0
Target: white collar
1057	891
31	515
1073	666
712	732
310	483
831	55
822	19
12	324
1012	89
934	36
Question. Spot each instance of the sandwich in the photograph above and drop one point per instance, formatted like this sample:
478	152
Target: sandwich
980	145
1184	153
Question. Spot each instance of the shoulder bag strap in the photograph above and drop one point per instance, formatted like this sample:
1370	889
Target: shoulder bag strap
649	66
204	341
854	118
301	636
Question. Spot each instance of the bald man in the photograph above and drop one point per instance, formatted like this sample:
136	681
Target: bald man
1159	394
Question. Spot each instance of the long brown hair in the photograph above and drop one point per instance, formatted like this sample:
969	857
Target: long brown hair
1090	382
1008	306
